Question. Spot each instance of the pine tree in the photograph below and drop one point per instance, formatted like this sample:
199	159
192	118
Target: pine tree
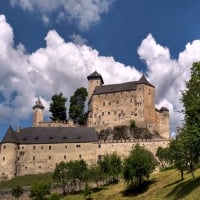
58	108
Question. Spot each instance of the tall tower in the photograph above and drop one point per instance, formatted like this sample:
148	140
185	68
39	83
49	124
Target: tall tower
37	113
94	79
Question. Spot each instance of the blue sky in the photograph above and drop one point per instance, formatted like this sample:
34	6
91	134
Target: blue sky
51	46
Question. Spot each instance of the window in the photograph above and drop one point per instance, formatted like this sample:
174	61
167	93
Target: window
103	103
33	147
41	147
50	147
4	146
33	157
65	157
109	103
115	112
102	113
80	156
108	113
78	146
3	158
117	102
65	146
49	157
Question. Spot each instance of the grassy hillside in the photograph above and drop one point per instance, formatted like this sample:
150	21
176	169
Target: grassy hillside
161	186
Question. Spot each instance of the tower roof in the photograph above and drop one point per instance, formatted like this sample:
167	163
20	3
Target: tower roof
95	75
10	136
38	104
143	80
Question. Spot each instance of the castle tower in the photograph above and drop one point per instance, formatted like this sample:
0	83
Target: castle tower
146	99
37	113
94	79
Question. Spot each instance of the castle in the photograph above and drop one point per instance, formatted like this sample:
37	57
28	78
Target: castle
38	149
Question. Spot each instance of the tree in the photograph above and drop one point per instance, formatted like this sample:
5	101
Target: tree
94	174
77	105
61	176
78	171
39	191
178	155
111	166
17	191
138	165
58	108
163	155
190	133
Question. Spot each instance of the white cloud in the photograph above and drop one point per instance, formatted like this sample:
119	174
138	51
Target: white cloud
63	66
84	12
77	39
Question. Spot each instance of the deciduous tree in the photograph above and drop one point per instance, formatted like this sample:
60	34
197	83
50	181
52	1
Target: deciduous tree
138	165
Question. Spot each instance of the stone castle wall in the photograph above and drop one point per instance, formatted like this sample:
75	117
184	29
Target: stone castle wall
42	158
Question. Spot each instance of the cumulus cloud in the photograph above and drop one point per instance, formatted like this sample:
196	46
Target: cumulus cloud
169	75
63	66
84	12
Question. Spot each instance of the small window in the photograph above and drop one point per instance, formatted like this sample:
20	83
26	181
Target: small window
65	146
108	113
33	157
102	113
103	103
109	103
4	147
33	147
115	112
80	156
78	146
41	147
3	158
117	102
49	147
65	157
49	157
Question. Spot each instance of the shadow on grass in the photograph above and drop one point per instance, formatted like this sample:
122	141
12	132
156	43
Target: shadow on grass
134	190
183	188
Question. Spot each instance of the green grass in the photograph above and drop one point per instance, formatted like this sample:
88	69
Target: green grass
161	186
27	180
